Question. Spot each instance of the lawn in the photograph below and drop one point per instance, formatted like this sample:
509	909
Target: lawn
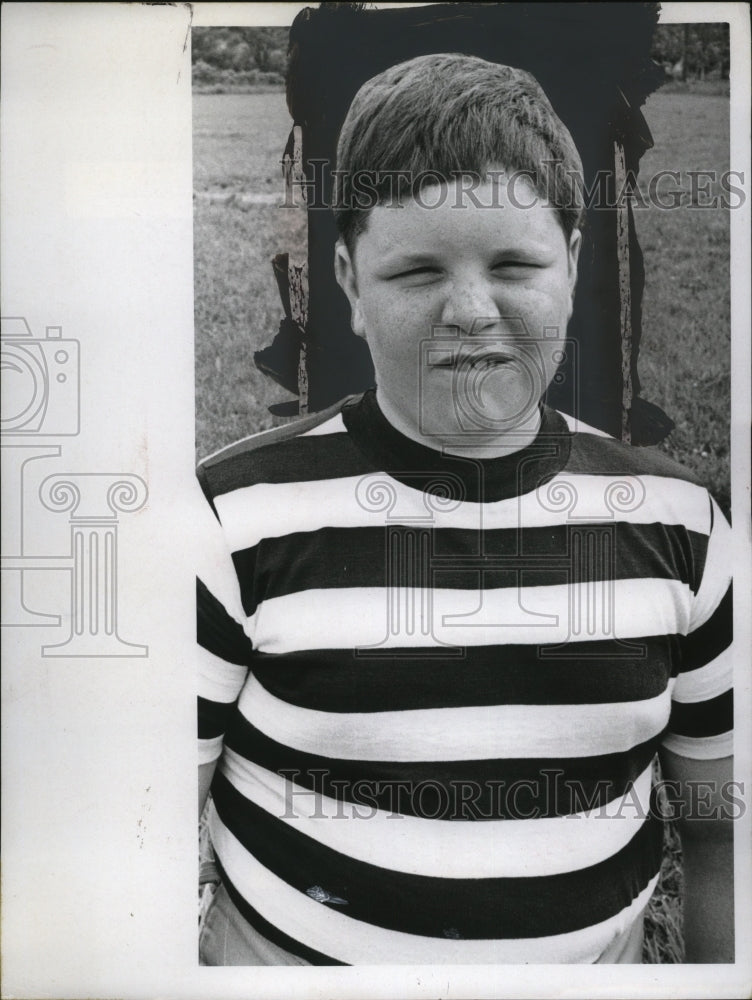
238	145
238	141
684	362
684	358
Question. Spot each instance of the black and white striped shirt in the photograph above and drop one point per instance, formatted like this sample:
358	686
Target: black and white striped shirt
436	685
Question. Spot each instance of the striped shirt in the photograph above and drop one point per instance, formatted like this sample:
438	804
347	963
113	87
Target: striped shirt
436	685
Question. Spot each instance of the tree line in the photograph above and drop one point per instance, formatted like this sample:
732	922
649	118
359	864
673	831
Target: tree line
259	55
239	55
693	51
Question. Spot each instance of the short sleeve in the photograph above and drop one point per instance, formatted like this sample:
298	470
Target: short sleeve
701	722
224	650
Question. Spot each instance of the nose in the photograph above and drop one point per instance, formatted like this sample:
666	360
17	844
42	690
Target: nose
470	306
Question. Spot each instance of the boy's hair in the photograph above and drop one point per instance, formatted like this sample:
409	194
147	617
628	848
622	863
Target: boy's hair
437	117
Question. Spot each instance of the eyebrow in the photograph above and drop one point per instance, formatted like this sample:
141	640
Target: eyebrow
406	259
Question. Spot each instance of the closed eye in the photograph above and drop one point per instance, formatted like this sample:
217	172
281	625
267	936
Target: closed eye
516	270
418	275
417	271
504	265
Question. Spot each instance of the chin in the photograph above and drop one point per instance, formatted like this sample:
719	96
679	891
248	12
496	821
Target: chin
496	417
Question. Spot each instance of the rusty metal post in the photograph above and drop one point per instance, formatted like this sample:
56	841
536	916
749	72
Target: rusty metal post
297	262
625	289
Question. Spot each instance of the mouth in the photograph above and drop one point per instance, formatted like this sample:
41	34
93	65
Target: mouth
473	359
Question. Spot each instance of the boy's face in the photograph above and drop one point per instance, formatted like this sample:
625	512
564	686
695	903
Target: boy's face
464	306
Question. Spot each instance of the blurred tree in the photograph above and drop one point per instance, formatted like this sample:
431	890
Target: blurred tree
241	49
242	56
693	50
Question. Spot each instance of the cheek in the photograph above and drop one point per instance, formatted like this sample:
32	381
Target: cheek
397	321
541	308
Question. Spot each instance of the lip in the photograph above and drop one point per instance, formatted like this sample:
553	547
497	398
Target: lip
490	358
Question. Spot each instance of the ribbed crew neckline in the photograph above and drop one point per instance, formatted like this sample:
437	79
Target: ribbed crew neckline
450	476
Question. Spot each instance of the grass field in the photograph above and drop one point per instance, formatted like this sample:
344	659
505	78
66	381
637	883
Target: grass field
684	363
684	359
238	145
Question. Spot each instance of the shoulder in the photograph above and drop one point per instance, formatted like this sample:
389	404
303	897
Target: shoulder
306	448
637	482
594	452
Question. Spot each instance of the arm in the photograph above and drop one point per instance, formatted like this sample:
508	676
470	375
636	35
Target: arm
222	647
205	775
705	826
221	643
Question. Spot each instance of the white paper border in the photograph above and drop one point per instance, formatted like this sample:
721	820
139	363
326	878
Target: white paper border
98	778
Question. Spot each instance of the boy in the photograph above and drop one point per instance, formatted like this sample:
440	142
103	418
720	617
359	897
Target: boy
457	626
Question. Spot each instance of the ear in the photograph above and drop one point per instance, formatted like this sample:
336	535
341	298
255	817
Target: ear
344	270
575	243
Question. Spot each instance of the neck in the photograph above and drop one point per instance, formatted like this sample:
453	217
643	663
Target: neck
471	445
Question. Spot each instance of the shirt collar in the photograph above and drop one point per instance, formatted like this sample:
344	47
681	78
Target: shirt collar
479	480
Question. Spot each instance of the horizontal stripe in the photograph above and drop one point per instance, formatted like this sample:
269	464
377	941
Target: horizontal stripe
461	559
213	718
716	569
209	750
706	683
440	848
334	425
252	441
704	748
592	453
469	733
289	918
503	789
251	513
260	440
705	643
707	718
217	631
214	570
338	680
258	923
472	908
580	427
288	460
385	618
219	680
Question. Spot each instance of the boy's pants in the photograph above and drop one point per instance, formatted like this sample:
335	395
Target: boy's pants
228	939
